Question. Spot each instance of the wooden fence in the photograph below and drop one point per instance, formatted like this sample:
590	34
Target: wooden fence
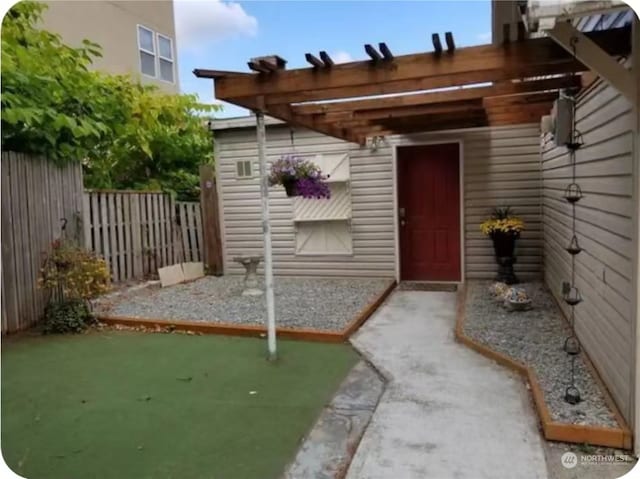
139	232
189	222
38	198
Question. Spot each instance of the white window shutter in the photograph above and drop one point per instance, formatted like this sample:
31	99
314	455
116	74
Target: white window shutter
324	238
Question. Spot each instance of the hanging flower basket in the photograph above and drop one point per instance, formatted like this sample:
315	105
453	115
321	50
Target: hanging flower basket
504	229
299	177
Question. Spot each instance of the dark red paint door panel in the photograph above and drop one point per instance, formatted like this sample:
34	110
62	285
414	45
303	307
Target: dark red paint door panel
429	212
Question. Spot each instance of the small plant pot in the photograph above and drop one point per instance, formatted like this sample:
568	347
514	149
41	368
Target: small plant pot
290	188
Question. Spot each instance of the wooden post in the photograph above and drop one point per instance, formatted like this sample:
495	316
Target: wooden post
212	247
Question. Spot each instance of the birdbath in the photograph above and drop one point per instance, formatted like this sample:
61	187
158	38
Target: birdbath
250	264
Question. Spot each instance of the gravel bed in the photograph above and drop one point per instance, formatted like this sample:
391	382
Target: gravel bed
314	303
536	338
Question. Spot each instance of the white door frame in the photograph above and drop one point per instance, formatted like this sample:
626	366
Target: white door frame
415	140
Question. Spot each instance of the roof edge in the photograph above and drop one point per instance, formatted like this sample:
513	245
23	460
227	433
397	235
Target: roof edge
242	122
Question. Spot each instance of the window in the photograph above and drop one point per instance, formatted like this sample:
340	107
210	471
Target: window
165	57
243	169
156	55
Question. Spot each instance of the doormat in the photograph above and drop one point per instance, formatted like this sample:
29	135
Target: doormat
419	286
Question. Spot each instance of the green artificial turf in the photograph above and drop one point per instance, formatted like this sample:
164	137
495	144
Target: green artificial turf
132	405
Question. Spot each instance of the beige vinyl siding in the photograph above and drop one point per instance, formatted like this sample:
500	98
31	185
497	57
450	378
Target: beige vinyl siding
371	204
604	229
501	166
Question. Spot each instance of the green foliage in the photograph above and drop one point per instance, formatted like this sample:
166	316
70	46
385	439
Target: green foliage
67	316
501	213
126	134
48	94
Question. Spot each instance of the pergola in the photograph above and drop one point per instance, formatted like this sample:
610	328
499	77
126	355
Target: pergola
447	88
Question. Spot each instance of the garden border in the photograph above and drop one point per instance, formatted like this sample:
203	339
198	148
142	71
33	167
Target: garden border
620	437
256	331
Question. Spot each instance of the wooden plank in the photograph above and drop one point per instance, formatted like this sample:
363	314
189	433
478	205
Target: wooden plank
437	45
163	231
30	246
328	61
211	245
501	91
10	294
121	251
86	221
373	53
147	233
386	52
104	230
198	217
113	237
126	227
156	233
136	237
185	235
191	226
313	60
448	38
24	283
491	59
171	208
96	224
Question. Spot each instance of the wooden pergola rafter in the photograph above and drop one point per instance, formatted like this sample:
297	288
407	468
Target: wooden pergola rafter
449	87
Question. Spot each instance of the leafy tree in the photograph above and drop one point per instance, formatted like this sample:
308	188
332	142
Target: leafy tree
126	134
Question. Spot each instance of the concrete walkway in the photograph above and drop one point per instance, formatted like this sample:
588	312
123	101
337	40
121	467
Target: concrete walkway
447	412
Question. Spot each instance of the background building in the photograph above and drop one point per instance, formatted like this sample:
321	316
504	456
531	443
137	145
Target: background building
137	37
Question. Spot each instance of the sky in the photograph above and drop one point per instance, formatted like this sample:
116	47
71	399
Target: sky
223	35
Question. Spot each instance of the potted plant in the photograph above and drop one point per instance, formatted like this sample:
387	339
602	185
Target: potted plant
504	229
300	177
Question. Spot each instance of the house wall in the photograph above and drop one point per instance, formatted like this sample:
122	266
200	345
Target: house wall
604	321
501	165
113	25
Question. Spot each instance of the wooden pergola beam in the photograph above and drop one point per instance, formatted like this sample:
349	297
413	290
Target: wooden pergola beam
328	61
506	88
448	38
386	52
400	112
313	60
437	45
450	69
373	53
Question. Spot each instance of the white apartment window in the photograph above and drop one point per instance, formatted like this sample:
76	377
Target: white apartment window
243	169
156	54
165	57
146	45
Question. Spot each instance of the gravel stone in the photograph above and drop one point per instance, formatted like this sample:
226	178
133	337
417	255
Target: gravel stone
313	303
536	338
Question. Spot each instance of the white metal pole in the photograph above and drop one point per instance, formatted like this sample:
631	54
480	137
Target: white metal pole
266	231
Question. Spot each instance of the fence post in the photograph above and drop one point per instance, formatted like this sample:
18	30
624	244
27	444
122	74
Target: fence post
212	247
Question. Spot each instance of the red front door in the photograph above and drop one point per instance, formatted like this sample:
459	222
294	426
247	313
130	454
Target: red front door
429	212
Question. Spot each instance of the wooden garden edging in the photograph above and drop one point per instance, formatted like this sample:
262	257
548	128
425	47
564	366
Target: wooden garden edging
256	331
620	437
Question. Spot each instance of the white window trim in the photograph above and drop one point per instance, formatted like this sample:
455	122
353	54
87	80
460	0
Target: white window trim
166	59
156	54
244	164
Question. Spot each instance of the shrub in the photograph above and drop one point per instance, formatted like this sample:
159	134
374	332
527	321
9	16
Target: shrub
67	316
75	272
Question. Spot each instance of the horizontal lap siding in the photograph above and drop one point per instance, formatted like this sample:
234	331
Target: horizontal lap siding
371	200
502	166
604	229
